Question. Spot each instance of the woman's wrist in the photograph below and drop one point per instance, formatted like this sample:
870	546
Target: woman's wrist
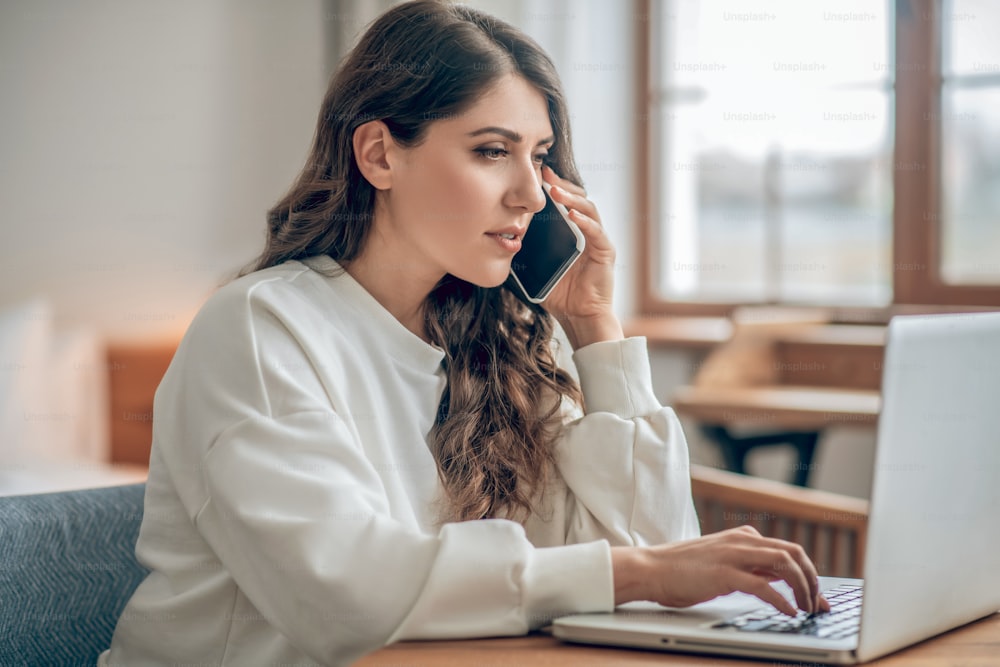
628	566
583	331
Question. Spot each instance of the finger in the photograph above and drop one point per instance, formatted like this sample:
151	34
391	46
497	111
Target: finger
758	587
808	569
553	178
575	202
776	562
801	598
597	240
568	193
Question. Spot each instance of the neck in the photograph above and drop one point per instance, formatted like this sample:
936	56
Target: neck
395	281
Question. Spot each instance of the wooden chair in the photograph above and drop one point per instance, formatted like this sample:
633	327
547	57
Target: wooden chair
831	527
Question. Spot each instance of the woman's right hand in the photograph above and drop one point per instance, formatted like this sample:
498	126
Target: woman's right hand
680	574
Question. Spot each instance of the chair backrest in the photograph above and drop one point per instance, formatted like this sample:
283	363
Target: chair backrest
832	528
67	568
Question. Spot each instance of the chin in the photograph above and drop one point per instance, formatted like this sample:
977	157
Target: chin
489	278
490	283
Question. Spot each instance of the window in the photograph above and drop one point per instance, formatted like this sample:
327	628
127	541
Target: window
779	134
970	142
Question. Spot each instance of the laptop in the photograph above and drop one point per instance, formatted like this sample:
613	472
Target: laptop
933	540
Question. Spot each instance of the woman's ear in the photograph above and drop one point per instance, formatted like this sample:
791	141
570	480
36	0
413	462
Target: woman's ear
372	142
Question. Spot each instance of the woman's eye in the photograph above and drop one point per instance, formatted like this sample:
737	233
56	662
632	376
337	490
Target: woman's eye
492	153
540	159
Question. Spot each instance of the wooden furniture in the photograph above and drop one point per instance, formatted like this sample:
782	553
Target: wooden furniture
135	372
789	407
785	377
685	332
974	644
830	527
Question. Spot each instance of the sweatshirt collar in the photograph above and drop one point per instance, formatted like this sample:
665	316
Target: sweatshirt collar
406	346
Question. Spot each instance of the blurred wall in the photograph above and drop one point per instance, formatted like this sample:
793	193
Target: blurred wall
141	143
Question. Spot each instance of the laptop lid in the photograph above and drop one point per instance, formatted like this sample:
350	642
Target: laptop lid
934	525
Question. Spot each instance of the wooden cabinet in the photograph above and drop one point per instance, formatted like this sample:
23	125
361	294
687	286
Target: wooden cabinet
134	372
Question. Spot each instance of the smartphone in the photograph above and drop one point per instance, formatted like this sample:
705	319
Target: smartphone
549	247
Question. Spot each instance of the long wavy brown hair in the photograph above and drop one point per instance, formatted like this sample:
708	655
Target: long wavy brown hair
500	413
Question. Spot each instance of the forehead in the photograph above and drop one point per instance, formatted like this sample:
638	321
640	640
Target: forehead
512	103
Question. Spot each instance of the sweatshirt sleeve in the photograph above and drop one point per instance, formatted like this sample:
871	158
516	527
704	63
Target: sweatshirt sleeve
625	461
296	514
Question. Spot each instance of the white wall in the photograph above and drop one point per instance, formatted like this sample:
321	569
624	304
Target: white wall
141	143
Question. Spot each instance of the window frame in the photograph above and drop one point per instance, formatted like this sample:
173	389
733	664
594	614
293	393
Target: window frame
916	269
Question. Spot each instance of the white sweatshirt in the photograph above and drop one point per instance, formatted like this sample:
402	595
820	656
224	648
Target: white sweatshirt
291	507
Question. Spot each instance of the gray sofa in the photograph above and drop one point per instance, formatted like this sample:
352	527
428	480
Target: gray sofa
67	568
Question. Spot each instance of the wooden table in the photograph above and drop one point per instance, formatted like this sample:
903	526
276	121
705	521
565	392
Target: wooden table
973	645
781	407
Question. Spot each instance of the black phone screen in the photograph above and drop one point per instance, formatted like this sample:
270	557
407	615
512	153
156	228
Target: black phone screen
548	246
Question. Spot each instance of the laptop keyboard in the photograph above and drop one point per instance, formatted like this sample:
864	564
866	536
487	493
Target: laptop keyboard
841	621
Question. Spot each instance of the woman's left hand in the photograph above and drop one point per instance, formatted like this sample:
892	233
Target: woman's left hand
581	302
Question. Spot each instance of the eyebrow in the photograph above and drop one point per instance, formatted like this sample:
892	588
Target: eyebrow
509	134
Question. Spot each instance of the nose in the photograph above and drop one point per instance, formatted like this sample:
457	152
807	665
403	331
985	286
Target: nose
526	189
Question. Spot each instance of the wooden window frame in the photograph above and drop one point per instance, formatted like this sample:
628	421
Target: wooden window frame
916	219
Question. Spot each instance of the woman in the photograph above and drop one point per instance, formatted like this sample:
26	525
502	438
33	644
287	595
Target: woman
369	438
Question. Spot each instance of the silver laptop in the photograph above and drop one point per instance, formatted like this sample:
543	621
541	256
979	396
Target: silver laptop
933	529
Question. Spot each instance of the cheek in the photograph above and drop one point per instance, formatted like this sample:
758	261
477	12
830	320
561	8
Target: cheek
465	193
454	193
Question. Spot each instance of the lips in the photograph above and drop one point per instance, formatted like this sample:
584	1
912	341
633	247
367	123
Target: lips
508	240
510	232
